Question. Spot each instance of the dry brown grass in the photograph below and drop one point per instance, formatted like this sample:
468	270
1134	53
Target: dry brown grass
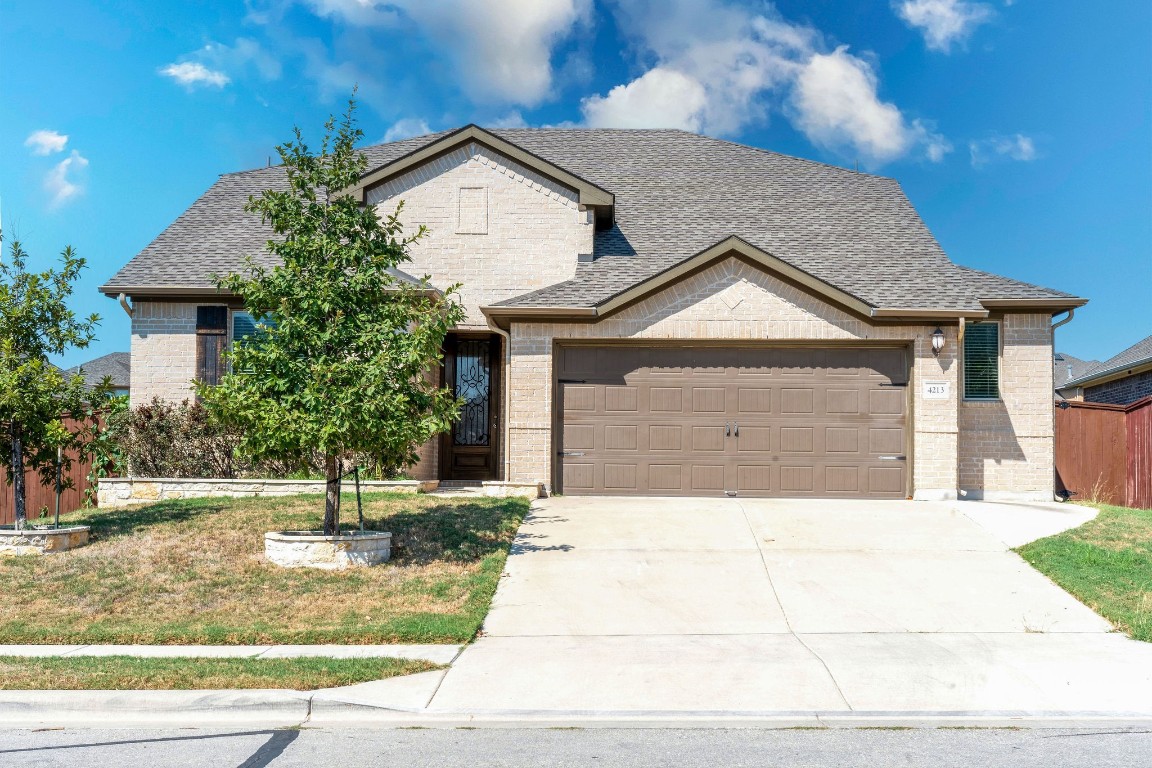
194	572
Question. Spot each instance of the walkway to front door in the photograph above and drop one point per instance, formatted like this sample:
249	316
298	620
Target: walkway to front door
703	605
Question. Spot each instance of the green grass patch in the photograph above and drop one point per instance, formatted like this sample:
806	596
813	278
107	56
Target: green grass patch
193	571
1107	564
124	673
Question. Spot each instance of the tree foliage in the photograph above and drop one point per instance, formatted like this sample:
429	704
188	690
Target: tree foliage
35	324
343	348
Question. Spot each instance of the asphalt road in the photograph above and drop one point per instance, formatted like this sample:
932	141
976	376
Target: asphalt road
317	748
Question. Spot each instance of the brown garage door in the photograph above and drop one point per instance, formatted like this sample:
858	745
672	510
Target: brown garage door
751	421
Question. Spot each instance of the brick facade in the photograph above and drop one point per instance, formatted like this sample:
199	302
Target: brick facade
733	301
1121	391
494	226
163	350
1007	445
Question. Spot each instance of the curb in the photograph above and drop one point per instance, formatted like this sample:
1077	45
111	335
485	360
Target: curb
273	708
281	708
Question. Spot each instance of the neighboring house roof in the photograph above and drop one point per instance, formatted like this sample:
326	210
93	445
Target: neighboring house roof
1139	355
117	366
1066	368
674	195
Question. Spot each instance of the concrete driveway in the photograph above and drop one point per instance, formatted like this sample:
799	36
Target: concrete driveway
691	606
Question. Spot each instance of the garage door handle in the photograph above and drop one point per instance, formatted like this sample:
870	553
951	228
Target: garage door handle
570	453
727	429
893	458
735	429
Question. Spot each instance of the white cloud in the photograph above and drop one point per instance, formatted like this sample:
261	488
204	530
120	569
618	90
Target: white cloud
46	142
837	107
719	69
191	74
1016	147
512	119
943	22
501	55
661	98
406	129
60	181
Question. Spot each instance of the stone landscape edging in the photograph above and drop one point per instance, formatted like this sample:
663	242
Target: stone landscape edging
115	492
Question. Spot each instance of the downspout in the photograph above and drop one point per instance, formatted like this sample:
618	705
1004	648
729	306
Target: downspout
506	380
1055	475
123	299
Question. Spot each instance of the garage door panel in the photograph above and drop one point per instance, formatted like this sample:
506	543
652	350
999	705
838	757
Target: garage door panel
666	399
665	437
708	477
796	479
666	477
754	478
796	400
754	401
620	437
709	400
885	440
708	439
755	421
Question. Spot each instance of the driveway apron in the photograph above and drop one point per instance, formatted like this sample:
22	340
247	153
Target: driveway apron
649	606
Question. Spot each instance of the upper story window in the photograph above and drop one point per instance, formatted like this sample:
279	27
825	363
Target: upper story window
982	361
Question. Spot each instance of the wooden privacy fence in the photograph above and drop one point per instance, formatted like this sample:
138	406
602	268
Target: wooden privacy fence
1104	452
40	496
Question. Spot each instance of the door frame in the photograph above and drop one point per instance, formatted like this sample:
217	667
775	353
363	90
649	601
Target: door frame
495	407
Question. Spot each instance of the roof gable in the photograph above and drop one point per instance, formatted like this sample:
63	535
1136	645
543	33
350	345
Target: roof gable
589	194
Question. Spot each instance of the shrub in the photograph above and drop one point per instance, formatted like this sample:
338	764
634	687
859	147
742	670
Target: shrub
164	439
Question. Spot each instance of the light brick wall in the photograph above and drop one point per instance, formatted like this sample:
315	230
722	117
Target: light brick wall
1007	445
163	351
733	301
495	226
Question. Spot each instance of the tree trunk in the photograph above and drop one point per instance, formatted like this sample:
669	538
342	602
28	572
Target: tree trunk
332	496
19	494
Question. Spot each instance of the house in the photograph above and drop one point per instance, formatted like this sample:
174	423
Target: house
657	312
116	366
1065	368
1119	380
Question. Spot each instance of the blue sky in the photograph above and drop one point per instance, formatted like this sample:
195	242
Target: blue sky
1021	131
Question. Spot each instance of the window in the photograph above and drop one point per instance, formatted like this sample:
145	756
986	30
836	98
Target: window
211	334
982	361
244	327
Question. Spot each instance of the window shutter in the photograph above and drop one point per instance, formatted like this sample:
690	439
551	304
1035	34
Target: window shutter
982	361
211	335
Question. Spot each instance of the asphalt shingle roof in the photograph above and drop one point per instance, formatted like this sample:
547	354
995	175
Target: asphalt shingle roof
676	194
117	366
1067	368
1137	354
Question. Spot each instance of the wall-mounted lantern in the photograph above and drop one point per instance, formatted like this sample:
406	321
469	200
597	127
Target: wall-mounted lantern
937	341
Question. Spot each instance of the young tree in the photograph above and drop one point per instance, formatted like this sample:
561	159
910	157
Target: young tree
35	322
343	347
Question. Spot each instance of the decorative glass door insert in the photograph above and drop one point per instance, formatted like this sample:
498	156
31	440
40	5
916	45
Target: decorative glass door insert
473	385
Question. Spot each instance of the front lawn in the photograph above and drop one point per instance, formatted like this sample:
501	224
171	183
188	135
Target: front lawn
1107	564
193	571
122	673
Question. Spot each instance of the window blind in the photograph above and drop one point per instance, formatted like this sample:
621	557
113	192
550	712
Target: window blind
982	361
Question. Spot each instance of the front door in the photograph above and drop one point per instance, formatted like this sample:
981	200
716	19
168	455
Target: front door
472	371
